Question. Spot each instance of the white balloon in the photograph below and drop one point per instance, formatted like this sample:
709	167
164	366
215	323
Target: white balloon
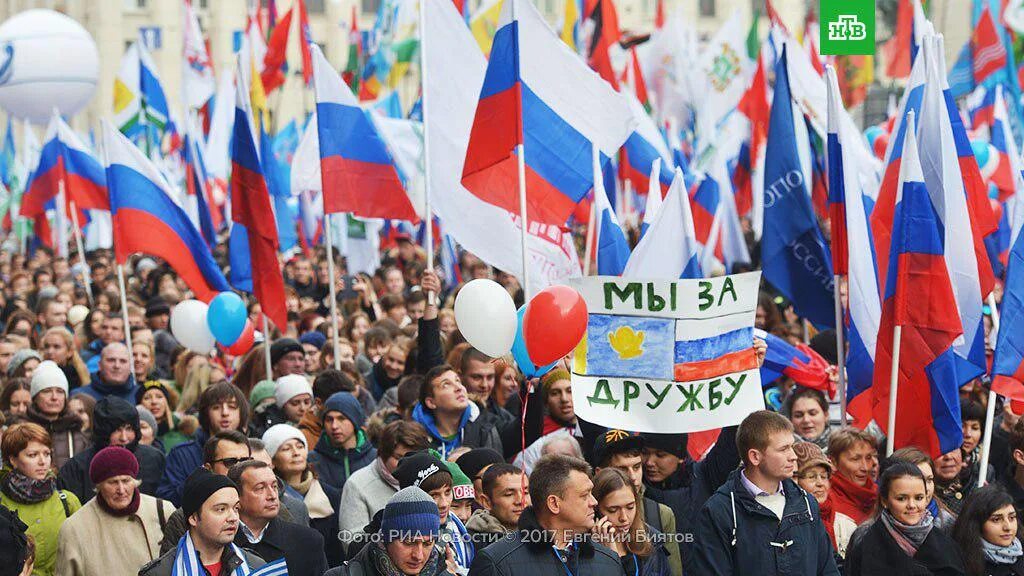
47	61
188	325
486	317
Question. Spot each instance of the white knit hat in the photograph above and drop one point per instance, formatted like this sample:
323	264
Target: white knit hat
278	434
48	375
290	386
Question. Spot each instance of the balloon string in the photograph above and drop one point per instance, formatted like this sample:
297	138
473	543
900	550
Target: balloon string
528	385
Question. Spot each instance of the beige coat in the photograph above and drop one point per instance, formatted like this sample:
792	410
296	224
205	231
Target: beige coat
93	542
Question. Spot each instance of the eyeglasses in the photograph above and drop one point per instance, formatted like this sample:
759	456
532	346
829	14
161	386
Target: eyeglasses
229	462
812	476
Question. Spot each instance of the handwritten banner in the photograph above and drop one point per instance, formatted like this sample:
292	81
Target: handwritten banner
668	356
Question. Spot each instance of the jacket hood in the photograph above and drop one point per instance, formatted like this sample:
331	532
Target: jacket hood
426	418
485	522
110	414
327	450
104	389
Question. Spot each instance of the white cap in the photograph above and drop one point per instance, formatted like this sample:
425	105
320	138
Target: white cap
278	434
48	375
290	386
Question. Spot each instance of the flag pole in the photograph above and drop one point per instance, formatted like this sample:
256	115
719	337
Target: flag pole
60	222
840	347
266	347
86	271
427	214
990	408
333	287
524	221
124	314
890	441
588	249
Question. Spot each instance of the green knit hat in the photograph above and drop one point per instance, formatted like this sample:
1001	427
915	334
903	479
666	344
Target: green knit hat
261	392
462	486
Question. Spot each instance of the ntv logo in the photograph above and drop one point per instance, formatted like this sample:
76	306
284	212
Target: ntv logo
848	27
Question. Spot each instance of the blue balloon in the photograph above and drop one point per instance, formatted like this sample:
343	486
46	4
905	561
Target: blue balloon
871	133
981	151
522	357
226	318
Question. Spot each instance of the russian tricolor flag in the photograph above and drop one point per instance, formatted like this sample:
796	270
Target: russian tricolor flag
643	147
359	172
802	365
612	247
147	218
65	157
538	97
1008	361
654	199
1008	169
918	298
706	221
669	249
849	216
965	215
253	243
197	187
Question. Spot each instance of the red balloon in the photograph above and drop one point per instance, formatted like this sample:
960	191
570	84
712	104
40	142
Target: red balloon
879	146
554	324
244	342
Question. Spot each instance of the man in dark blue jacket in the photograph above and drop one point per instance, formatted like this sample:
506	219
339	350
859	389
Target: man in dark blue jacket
222	406
760	521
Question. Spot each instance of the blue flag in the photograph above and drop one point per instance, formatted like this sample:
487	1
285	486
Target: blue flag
795	259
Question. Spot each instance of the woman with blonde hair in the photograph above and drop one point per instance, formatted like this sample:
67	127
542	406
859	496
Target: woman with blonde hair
58	345
197	380
620	525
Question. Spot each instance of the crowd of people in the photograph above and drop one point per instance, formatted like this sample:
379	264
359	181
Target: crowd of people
393	447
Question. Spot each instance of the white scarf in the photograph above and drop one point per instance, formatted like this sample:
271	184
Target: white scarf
187	562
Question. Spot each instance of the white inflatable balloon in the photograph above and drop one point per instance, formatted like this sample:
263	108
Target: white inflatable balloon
188	325
487	317
47	61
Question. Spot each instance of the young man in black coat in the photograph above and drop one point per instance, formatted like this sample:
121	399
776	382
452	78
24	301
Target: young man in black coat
760	521
260	530
115	423
553	533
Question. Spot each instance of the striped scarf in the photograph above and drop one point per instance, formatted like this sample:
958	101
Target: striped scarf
187	562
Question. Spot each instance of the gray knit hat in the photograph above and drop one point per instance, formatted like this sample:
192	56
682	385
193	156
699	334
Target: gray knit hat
146	416
409	513
19	358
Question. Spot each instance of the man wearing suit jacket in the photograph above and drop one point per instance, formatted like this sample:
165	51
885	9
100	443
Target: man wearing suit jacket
262	532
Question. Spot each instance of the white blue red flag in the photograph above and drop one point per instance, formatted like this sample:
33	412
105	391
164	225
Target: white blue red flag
918	298
358	170
147	218
539	94
669	249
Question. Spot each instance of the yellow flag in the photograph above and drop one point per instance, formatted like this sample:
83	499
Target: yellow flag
484	24
258	96
572	16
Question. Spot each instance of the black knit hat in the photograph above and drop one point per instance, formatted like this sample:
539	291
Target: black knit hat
414	468
13	543
477	459
283	346
199	486
110	414
674	444
614	442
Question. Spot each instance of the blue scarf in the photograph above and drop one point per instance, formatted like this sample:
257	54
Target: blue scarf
933	507
1006	555
188	563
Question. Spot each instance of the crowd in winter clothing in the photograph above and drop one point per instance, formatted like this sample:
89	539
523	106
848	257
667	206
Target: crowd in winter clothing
395	447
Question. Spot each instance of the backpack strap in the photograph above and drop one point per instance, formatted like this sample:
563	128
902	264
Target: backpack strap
160	513
652	514
64	503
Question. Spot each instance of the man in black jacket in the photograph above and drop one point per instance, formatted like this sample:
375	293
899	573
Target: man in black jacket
115	423
553	533
260	530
